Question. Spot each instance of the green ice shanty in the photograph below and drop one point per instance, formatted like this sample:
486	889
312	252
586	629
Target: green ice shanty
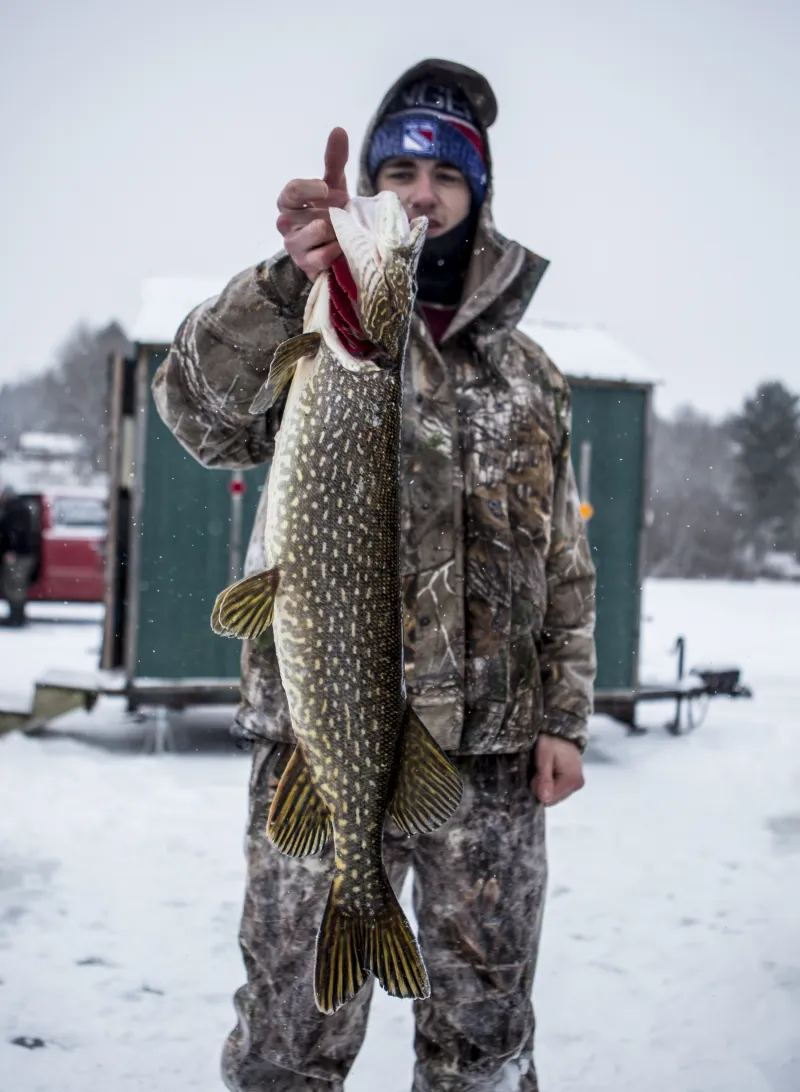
178	531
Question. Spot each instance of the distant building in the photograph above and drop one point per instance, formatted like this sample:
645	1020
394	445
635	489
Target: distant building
52	446
43	460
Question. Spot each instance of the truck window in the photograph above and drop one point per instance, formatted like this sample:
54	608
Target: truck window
77	512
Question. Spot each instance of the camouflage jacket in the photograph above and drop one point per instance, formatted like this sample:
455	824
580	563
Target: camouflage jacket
498	582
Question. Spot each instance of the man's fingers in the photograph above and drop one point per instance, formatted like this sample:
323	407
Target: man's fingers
559	769
564	784
559	792
290	222
336	155
315	234
301	192
313	248
543	784
321	259
304	220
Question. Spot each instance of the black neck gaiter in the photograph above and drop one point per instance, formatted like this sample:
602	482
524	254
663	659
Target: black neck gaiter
444	261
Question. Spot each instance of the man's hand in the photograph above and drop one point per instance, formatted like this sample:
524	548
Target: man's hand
559	770
304	221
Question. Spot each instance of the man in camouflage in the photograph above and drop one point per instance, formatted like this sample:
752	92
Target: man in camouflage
17	554
498	589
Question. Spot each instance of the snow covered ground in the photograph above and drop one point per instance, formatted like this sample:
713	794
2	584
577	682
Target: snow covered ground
671	953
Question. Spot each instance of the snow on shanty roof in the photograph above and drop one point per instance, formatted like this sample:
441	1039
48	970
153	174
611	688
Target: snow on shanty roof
165	303
587	351
579	350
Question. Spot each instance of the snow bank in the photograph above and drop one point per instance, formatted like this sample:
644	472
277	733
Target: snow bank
671	954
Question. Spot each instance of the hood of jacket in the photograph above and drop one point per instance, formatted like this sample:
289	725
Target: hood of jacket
502	275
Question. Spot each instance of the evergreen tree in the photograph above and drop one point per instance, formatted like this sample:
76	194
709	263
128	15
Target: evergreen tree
767	465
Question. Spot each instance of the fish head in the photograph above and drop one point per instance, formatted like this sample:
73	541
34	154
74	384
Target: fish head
382	249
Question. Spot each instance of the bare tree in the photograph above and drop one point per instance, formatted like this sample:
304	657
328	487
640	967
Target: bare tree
697	526
71	397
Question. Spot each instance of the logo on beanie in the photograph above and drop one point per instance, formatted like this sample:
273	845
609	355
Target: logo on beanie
419	137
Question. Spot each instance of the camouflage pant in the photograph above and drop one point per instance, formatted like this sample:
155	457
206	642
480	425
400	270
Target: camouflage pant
478	897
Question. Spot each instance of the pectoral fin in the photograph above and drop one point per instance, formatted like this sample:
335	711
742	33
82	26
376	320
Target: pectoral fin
286	359
299	820
245	609
427	789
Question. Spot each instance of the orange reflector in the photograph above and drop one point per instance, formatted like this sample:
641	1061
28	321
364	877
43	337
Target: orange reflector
586	510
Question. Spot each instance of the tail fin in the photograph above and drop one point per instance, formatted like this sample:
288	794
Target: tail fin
340	969
393	955
349	947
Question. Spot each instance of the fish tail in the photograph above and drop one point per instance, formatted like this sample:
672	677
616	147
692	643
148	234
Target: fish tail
340	969
349	946
392	953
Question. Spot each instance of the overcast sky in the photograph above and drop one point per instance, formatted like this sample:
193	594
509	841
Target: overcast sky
649	149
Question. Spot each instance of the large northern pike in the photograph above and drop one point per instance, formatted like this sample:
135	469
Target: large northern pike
332	592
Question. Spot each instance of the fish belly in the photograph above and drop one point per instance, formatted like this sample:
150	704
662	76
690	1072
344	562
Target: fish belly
333	533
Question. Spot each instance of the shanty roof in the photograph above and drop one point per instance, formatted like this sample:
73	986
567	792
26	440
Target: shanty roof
585	351
166	301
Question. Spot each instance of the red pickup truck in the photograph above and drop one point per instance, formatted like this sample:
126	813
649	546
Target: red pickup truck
71	523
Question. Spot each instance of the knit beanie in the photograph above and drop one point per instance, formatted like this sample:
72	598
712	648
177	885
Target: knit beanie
432	121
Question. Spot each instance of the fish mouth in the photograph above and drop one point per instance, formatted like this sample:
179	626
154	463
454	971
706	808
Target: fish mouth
382	250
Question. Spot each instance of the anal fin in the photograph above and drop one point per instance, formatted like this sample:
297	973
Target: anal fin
245	609
286	358
427	788
299	820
